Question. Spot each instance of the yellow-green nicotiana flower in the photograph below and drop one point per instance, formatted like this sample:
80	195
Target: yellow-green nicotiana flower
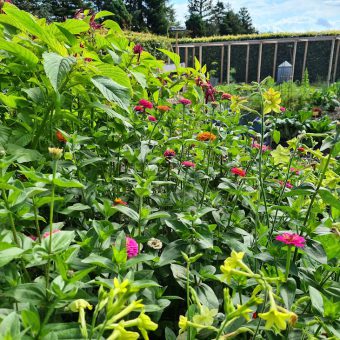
206	318
231	263
280	155
275	318
272	101
120	288
182	324
237	103
120	333
76	305
146	324
244	312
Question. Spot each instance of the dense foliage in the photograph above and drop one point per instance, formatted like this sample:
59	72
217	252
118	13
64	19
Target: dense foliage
135	205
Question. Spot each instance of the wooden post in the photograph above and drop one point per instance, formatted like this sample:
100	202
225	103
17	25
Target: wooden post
259	61
222	62
247	63
336	60
193	57
294	58
228	64
177	48
200	55
330	62
304	59
275	58
186	57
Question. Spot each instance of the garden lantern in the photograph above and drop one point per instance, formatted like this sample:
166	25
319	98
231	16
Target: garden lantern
284	72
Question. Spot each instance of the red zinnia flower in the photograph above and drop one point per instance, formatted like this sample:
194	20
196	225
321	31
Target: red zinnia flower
185	101
60	137
291	239
152	119
88	60
301	149
119	201
188	164
137	49
226	96
169	153
238	172
131	247
146	104
139	108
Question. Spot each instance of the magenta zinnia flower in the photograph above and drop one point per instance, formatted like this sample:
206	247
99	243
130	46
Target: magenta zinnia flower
185	101
137	49
188	164
131	247
169	153
291	239
152	118
146	104
282	109
226	96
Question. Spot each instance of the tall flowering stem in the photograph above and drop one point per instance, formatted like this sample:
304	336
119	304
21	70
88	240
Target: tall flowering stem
289	255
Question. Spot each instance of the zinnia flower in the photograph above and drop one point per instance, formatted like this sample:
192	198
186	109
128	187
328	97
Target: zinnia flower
288	184
88	60
119	201
188	164
152	118
163	108
295	171
282	109
291	239
60	137
137	49
206	136
94	24
131	247
155	243
146	104
55	152
226	96
185	101
139	108
169	153
238	172
301	149
256	145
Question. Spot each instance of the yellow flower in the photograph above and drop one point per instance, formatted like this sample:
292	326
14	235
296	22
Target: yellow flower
272	101
206	318
235	258
237	103
280	155
244	312
275	318
55	152
120	333
121	288
182	324
76	305
146	324
226	270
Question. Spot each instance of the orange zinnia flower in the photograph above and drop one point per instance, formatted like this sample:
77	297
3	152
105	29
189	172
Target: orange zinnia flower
60	137
163	108
206	136
119	201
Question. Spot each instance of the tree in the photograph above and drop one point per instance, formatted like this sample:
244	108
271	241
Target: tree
200	7
246	21
231	23
216	18
195	25
156	16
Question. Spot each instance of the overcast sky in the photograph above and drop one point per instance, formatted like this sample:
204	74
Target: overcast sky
283	15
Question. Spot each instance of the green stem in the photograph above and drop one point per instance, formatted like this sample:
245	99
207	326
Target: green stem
289	255
54	167
35	211
188	296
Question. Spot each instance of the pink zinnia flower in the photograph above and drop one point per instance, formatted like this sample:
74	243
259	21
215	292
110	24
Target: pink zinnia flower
288	184
139	108
256	145
291	239
137	49
47	234
185	101
131	247
146	104
169	153
188	164
34	238
295	171
282	109
226	96
152	118
88	60
238	172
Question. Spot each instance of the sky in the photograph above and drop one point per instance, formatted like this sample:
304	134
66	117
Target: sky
282	15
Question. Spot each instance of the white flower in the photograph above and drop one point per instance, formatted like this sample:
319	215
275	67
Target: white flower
155	243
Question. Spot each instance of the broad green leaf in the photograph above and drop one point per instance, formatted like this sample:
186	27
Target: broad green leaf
287	291
128	212
75	26
276	136
65	183
75	207
316	298
174	57
60	241
112	91
19	51
113	114
315	250
102	14
31	319
207	296
30	293
329	198
280	155
10	327
57	68
8	252
158	214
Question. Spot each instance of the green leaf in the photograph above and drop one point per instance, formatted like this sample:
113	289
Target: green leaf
75	207
75	26
175	58
30	293
31	319
169	334
60	241
158	214
128	212
57	68
287	292
316	299
276	136
329	198
10	327
8	252
66	183
315	250
207	296
112	91
280	155
102	14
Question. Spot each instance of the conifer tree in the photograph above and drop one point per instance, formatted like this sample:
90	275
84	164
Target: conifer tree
246	21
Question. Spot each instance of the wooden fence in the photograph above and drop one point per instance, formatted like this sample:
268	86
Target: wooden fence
226	47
